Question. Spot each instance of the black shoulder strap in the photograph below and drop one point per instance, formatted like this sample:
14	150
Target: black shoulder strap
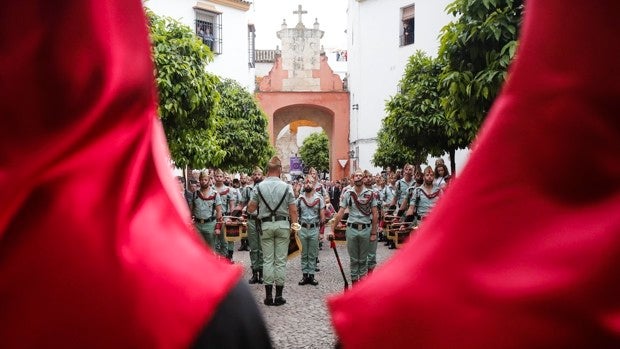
417	198
273	211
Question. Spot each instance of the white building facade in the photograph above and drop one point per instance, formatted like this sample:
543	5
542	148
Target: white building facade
382	35
225	26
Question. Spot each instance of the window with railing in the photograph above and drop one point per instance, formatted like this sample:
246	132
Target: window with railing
209	29
251	46
407	30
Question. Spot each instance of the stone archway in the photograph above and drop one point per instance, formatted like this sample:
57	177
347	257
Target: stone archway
302	86
330	110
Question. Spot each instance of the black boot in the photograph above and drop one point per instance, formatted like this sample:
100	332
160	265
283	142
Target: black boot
304	281
229	256
311	280
269	295
260	275
242	246
279	300
254	279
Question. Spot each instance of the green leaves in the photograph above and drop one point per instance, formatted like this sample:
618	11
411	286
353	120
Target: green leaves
187	95
314	151
444	101
241	129
476	66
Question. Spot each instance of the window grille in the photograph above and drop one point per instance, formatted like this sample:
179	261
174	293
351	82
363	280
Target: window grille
209	29
251	46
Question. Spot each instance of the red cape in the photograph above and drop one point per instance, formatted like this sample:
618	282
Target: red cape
95	249
523	251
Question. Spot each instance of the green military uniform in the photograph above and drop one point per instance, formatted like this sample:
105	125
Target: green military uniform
359	225
423	202
309	218
254	241
401	191
225	248
203	213
372	252
277	195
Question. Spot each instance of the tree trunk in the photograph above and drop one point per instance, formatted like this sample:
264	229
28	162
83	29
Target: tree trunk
453	162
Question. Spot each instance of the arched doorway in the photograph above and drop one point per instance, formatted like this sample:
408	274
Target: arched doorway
329	110
302	86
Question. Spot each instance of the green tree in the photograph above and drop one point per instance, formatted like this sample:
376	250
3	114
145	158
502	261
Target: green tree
415	118
187	94
314	151
392	152
477	48
443	101
241	129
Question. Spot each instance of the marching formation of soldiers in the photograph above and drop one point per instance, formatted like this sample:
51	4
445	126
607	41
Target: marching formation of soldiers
280	218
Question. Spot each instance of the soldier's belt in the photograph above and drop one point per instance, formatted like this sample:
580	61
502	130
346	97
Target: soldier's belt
309	225
203	221
273	219
358	226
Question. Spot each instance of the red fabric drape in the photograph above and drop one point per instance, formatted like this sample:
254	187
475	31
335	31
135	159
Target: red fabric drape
95	249
523	250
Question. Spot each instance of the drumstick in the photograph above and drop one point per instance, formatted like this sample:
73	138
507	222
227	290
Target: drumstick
332	244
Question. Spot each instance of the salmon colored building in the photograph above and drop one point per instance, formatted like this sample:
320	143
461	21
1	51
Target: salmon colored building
302	86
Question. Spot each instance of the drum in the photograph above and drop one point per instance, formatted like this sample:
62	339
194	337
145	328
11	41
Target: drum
232	229
340	232
396	236
294	245
402	236
244	227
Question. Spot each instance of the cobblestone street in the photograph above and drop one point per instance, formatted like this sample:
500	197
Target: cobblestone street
303	322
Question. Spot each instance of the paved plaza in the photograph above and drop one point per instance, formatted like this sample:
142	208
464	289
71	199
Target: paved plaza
303	322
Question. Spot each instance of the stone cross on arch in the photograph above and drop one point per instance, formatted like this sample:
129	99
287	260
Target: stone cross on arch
300	12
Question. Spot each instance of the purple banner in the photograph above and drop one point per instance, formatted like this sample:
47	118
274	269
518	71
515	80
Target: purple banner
296	165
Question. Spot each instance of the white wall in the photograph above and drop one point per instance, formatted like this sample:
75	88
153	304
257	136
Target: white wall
377	62
233	62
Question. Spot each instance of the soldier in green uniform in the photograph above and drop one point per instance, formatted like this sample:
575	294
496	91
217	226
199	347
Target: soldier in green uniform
401	187
276	212
361	224
206	208
311	210
369	182
256	252
241	203
227	195
423	198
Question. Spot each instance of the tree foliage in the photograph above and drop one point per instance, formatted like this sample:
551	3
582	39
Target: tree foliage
391	152
415	116
477	48
241	129
415	124
443	101
314	151
187	94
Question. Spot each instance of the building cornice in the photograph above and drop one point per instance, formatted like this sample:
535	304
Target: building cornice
237	4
